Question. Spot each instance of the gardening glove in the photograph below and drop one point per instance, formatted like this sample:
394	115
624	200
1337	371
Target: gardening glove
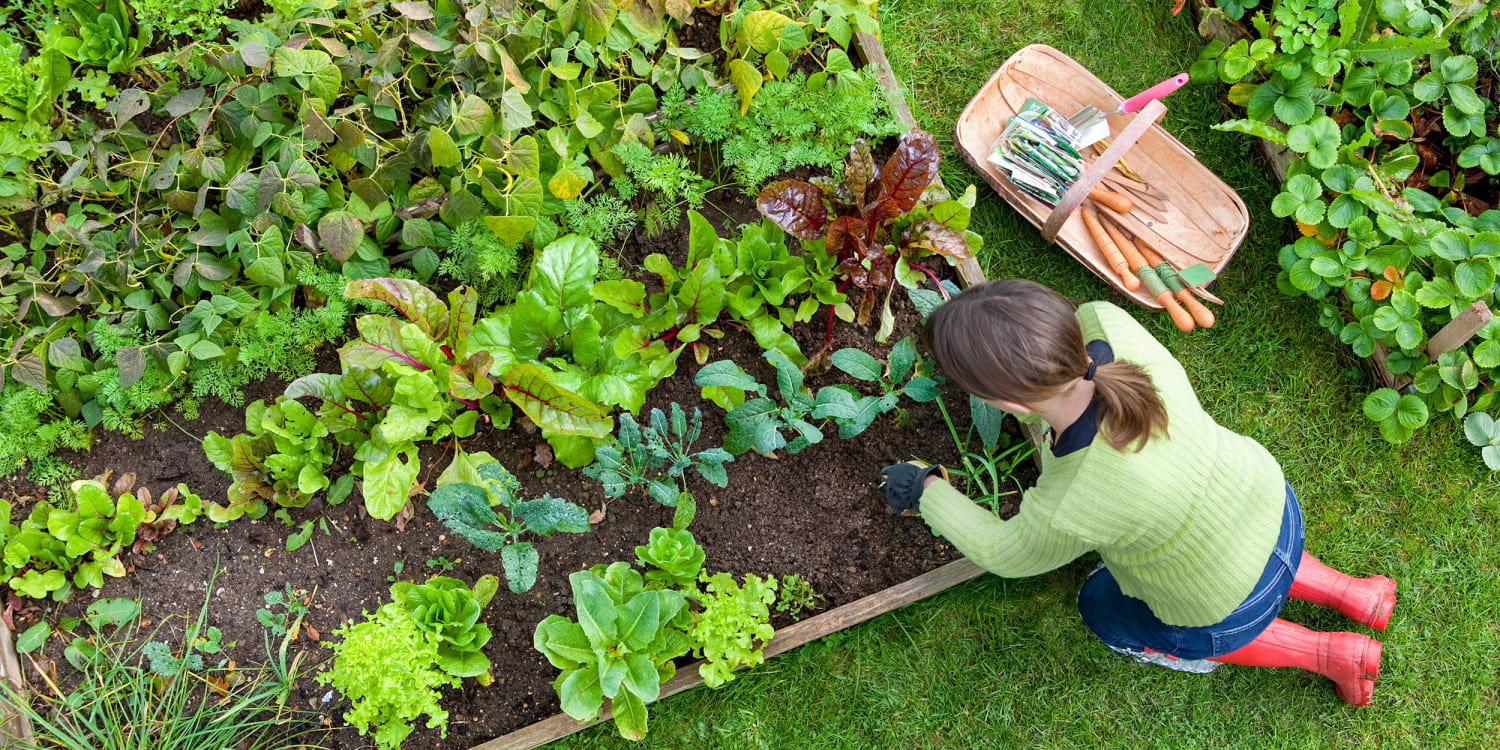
904	483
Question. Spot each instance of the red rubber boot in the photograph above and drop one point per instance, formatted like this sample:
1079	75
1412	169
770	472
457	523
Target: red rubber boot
1368	601
1351	660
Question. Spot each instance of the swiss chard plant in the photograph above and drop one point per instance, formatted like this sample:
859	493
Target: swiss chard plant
878	221
484	508
282	458
1380	103
620	648
655	458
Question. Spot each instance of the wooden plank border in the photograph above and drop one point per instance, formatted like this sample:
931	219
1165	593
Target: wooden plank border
15	727
1213	24
788	638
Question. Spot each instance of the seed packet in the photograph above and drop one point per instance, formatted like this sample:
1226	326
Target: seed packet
1036	152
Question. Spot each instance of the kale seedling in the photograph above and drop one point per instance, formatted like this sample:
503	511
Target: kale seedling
656	458
474	511
277	622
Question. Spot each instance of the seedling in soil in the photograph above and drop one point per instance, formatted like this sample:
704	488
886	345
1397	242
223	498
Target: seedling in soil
294	607
396	576
797	596
442	562
989	468
492	517
656	457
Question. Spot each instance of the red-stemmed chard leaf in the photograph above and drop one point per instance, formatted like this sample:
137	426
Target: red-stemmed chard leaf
846	237
418	303
796	207
860	171
878	215
934	236
911	169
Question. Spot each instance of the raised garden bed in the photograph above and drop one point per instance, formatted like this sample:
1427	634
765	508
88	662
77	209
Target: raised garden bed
817	514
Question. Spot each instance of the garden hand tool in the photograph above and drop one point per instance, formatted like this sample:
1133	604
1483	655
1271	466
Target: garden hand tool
1092	124
1154	284
1120	203
1111	252
904	483
1168	274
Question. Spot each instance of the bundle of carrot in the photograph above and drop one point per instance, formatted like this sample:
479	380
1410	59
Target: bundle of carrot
1161	279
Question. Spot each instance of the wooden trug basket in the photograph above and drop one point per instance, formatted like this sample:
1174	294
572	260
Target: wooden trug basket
1203	221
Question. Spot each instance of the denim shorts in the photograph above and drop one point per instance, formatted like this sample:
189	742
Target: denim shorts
1124	622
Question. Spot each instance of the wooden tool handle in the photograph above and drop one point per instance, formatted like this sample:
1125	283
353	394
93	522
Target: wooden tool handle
1127	248
1201	314
1111	252
1120	203
1180	317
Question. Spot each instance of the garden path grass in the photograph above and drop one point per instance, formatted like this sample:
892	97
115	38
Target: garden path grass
1005	663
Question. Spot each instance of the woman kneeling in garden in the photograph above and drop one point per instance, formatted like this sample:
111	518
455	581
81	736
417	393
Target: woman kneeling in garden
1200	535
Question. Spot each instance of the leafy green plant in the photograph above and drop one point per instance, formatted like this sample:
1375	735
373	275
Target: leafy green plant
483	507
878	222
101	37
194	18
797	596
621	647
282	458
672	557
734	625
664	183
790	124
763	424
1394	245
293	606
656	458
75	544
1482	432
855	412
126	696
447	611
387	668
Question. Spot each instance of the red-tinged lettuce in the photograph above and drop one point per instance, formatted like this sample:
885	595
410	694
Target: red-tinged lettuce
878	222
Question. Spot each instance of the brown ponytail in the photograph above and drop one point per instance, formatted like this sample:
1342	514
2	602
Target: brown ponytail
1016	340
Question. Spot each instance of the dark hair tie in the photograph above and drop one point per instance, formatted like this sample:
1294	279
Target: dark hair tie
1092	367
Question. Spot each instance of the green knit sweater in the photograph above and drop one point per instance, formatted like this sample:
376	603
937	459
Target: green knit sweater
1186	524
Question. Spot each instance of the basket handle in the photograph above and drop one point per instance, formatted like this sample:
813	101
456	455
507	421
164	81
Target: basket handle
1096	172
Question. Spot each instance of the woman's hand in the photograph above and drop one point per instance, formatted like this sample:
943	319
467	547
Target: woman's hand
905	482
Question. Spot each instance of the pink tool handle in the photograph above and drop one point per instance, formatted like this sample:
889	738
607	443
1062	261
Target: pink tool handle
1158	91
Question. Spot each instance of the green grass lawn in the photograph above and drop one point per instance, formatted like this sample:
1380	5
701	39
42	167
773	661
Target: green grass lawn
1004	663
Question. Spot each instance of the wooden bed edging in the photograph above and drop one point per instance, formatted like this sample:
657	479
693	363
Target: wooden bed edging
788	638
1213	24
15	728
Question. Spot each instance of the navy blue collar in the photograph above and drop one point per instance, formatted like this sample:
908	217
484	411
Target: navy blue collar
1080	434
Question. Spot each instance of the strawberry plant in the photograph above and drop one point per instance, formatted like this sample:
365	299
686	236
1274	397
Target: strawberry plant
488	513
656	458
878	222
1390	190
